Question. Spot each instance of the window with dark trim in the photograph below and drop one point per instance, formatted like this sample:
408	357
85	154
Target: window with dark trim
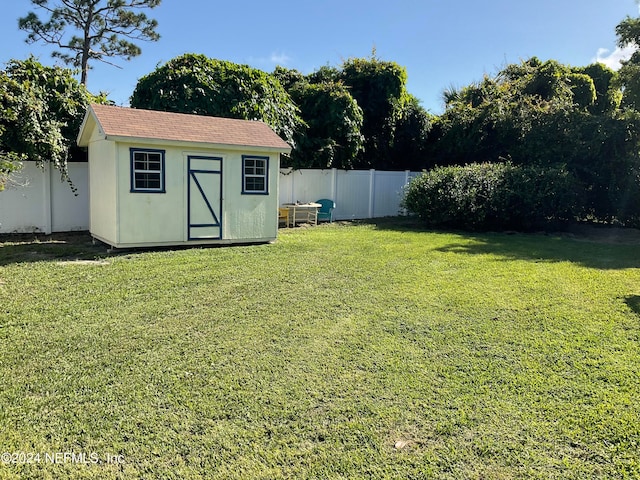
147	170
255	175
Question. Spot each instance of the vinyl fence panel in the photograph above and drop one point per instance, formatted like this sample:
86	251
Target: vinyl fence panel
306	185
353	195
388	193
39	202
358	194
36	200
70	212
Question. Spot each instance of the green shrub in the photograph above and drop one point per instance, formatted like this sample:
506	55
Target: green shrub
493	196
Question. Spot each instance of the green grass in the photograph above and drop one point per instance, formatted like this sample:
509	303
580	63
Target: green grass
343	351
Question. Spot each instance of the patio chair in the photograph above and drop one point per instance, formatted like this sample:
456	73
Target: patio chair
325	212
283	216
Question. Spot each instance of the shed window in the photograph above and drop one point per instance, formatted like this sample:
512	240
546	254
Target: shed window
255	175
147	171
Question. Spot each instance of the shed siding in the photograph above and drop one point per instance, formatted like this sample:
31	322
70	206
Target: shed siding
161	218
155	218
249	216
102	190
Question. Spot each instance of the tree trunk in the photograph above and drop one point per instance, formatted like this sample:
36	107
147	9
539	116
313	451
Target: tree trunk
86	47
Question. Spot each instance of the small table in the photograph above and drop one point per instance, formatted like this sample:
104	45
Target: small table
307	212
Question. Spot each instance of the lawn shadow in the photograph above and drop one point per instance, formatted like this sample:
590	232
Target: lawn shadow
76	246
548	248
606	248
36	247
633	302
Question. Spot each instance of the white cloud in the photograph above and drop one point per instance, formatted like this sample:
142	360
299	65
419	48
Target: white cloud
274	59
612	59
279	58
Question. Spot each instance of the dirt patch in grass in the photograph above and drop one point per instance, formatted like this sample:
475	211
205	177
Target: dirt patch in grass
68	246
83	262
69	238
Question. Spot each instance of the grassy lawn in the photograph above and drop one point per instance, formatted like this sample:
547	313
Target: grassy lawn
343	351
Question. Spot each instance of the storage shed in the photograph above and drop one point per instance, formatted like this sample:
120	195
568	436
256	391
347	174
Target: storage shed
160	178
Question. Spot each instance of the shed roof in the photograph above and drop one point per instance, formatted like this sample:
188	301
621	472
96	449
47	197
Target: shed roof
131	123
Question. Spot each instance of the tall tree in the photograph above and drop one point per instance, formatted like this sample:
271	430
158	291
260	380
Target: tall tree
87	30
379	88
197	84
410	137
608	95
332	137
628	32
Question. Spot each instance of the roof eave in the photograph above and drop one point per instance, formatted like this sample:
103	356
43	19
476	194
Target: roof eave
82	140
186	143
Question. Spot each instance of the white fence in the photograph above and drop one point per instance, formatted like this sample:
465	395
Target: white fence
356	193
38	201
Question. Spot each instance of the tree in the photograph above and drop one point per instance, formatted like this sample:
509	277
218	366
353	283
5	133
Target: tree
105	29
196	84
41	109
332	137
628	32
288	77
548	115
608	95
409	150
379	88
395	126
532	112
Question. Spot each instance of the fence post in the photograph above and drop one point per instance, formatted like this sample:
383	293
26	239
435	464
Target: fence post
334	183
407	173
292	191
372	186
46	196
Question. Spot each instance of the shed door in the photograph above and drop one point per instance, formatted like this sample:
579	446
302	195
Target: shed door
204	198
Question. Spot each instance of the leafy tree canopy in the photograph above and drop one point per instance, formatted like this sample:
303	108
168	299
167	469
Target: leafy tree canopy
605	81
379	87
196	84
628	32
409	150
104	29
41	109
547	114
358	116
332	137
531	112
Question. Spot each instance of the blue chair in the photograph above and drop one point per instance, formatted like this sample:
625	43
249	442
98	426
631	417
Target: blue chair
325	212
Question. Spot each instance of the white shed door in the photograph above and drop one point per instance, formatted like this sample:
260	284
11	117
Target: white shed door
204	198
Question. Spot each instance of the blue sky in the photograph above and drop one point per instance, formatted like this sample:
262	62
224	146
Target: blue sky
441	43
